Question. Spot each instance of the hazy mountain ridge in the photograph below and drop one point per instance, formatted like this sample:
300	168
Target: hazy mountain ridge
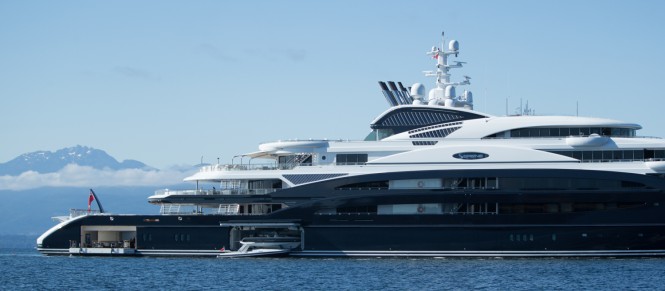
50	162
37	186
29	212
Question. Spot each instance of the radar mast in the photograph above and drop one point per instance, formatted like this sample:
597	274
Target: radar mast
444	93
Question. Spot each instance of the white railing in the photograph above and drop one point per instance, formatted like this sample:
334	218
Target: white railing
235	191
184	192
74	213
253	167
239	167
80	212
169	209
228	209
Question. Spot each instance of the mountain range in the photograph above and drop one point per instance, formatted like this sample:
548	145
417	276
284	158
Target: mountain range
50	162
25	212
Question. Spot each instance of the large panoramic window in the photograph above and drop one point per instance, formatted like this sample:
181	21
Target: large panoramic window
614	155
563	132
479	208
492	183
379	134
351	159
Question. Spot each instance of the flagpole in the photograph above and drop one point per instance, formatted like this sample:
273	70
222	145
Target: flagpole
99	204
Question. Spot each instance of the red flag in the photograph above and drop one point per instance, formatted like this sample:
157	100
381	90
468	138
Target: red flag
223	249
435	56
90	199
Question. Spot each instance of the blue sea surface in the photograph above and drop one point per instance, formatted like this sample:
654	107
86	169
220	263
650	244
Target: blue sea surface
25	269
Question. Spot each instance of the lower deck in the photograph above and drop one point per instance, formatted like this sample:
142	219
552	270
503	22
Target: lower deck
390	240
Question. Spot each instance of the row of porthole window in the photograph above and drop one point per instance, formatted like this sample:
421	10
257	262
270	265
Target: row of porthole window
181	237
521	237
526	237
147	237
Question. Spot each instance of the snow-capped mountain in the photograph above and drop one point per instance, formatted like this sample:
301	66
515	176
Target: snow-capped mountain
49	162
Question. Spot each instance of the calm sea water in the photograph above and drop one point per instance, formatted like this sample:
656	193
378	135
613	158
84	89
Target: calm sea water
26	269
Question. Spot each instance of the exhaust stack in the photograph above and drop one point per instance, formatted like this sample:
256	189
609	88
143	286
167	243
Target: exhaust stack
392	100
398	95
405	93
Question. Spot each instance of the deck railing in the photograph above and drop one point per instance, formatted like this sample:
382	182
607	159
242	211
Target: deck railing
234	191
253	167
74	213
239	167
80	212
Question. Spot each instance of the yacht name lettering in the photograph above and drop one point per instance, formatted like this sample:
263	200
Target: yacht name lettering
470	156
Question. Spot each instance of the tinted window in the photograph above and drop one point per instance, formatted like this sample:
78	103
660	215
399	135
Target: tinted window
659	154
638	155
587	155
618	155
351	159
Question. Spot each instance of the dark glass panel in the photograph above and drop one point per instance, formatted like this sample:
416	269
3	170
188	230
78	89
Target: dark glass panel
618	155
638	154
587	155
534	132
659	154
564	131
607	155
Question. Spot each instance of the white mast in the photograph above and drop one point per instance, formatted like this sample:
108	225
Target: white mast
444	93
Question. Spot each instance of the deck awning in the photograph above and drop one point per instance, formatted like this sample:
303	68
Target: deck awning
255	155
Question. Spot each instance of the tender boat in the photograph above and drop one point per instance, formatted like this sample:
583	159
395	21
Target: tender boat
263	247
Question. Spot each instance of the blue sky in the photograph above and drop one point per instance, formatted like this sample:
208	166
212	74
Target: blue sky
167	82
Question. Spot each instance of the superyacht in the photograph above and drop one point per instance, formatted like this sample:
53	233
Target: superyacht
433	177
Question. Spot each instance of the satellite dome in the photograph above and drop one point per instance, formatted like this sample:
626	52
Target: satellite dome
418	91
450	91
453	45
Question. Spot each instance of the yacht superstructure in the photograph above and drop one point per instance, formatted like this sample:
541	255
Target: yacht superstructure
432	178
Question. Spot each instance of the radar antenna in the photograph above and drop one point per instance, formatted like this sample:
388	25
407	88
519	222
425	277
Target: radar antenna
444	93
